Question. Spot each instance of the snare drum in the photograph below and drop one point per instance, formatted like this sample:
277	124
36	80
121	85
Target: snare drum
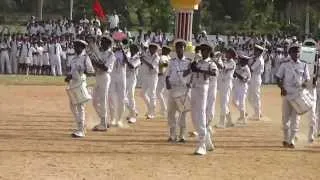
182	99
78	93
301	102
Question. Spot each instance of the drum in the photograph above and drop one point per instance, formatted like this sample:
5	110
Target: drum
183	100
301	102
78	93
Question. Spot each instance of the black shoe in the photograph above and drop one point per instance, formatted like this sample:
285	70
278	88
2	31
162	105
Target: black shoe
285	144
291	146
171	140
182	140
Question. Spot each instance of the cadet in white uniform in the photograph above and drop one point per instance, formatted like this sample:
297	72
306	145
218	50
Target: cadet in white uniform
149	80
211	101
201	72
103	67
161	93
226	83
80	66
176	84
242	75
254	93
118	88
132	73
292	77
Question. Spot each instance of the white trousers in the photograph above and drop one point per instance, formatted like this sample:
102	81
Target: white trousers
199	97
211	101
100	97
117	95
131	87
312	116
254	94
173	120
55	65
161	93
149	86
78	112
5	62
225	92
290	121
267	76
14	62
240	95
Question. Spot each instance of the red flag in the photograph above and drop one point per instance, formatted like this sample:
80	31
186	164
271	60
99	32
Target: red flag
98	10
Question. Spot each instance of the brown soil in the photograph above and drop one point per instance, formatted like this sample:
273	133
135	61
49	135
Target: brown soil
35	143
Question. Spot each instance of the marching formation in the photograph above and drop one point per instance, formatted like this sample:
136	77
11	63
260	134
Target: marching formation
181	84
233	69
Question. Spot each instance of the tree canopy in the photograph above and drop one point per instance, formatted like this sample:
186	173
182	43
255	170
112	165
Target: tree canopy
217	16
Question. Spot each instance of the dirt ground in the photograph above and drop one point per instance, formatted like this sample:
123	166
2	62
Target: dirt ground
35	143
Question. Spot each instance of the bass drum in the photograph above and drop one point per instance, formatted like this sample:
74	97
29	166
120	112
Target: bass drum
78	93
302	102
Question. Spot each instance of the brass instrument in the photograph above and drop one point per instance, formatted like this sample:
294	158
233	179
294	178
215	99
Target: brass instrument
93	53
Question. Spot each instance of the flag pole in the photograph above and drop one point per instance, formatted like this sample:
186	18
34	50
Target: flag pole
71	9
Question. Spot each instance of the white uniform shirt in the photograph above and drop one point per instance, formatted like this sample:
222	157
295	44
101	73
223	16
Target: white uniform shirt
135	62
228	71
175	71
79	65
108	58
200	79
257	67
293	75
55	49
163	60
243	71
154	61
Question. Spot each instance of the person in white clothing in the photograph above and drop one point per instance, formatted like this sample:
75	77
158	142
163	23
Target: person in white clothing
243	76
161	93
226	84
254	92
149	70
133	63
117	93
211	100
4	56
103	67
55	51
292	78
80	66
201	72
13	54
46	69
176	83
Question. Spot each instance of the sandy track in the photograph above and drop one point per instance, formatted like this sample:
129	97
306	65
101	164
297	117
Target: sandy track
35	143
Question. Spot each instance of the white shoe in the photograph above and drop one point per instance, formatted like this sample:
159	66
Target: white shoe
201	150
150	116
120	124
132	120
78	134
114	123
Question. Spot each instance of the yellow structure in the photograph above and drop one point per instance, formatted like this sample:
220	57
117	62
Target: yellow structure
184	18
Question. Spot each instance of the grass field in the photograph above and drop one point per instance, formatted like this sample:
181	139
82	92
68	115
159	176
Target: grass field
35	142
